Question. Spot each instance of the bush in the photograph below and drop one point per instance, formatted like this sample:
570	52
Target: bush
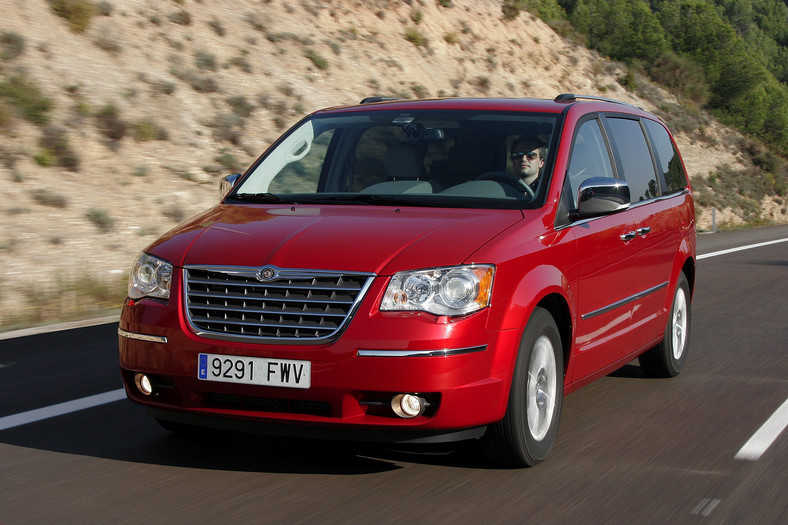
76	12
54	141
11	45
147	129
198	83
20	92
48	198
228	127
317	60
110	124
240	106
101	219
180	17
205	60
414	36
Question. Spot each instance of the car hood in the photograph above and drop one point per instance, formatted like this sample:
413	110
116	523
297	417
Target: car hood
375	239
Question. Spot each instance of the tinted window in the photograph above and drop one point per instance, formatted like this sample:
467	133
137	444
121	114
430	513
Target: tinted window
668	160
635	158
589	157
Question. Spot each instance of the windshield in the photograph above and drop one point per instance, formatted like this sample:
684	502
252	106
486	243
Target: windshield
419	158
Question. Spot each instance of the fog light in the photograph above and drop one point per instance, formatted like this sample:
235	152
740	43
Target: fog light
408	405
143	384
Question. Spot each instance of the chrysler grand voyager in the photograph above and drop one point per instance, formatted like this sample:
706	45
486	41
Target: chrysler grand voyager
421	271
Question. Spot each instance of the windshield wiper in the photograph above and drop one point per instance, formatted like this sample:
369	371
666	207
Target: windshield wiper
360	198
257	197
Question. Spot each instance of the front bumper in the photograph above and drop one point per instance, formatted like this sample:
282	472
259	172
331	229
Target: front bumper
461	368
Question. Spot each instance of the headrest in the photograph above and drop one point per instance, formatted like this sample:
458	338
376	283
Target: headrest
403	162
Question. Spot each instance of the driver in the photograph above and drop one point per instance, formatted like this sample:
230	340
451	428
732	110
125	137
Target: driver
528	160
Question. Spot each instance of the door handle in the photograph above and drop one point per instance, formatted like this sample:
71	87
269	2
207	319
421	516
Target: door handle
628	236
644	230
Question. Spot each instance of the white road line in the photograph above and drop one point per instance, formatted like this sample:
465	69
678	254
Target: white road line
766	435
740	248
60	409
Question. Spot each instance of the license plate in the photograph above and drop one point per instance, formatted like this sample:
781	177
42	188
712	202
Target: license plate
286	373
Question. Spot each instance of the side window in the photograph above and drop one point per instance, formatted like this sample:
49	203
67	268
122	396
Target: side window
302	176
636	165
589	157
668	160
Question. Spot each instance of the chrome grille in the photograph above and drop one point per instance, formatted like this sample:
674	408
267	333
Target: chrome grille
271	304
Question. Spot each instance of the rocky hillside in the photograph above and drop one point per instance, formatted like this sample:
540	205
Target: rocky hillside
150	102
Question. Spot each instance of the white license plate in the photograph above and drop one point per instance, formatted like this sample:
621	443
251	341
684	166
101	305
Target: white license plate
287	373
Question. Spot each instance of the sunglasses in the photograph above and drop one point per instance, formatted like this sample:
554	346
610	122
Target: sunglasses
530	155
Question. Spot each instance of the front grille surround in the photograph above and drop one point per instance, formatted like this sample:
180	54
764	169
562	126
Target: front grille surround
295	306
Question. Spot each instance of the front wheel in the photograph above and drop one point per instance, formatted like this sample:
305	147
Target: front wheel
667	358
528	431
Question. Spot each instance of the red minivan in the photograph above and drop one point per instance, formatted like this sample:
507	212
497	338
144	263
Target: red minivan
421	271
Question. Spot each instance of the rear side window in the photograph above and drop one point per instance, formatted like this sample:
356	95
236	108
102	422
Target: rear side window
634	158
668	161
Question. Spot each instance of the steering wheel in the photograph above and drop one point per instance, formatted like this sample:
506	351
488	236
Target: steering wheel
508	178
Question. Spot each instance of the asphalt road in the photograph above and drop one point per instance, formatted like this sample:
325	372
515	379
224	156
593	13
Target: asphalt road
630	449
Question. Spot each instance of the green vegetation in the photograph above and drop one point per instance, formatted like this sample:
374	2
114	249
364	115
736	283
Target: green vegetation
12	45
727	56
415	37
77	13
55	149
317	60
20	92
101	219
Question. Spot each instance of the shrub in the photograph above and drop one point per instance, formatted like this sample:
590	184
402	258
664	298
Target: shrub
21	92
217	27
101	219
451	37
11	45
414	36
240	106
181	17
228	127
228	161
317	60
104	8
147	129
198	83
77	13
55	142
48	198
205	60
110	124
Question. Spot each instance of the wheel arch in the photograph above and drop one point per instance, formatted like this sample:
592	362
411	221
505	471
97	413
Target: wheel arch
558	307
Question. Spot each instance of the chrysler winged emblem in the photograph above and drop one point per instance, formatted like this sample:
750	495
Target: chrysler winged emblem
267	273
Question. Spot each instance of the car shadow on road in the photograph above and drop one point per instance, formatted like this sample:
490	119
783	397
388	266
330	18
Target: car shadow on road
123	432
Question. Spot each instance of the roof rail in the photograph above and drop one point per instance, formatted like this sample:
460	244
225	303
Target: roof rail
370	100
570	97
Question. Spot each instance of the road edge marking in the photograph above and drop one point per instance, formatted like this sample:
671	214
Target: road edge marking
765	436
740	248
40	414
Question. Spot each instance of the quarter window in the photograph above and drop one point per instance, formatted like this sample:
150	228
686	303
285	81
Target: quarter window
668	161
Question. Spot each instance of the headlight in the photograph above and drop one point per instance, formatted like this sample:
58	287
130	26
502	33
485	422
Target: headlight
455	290
150	277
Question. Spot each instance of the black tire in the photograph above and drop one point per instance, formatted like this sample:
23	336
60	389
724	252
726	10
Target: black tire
667	358
526	434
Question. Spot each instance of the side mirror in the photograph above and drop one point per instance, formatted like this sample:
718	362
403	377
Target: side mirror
226	184
601	196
